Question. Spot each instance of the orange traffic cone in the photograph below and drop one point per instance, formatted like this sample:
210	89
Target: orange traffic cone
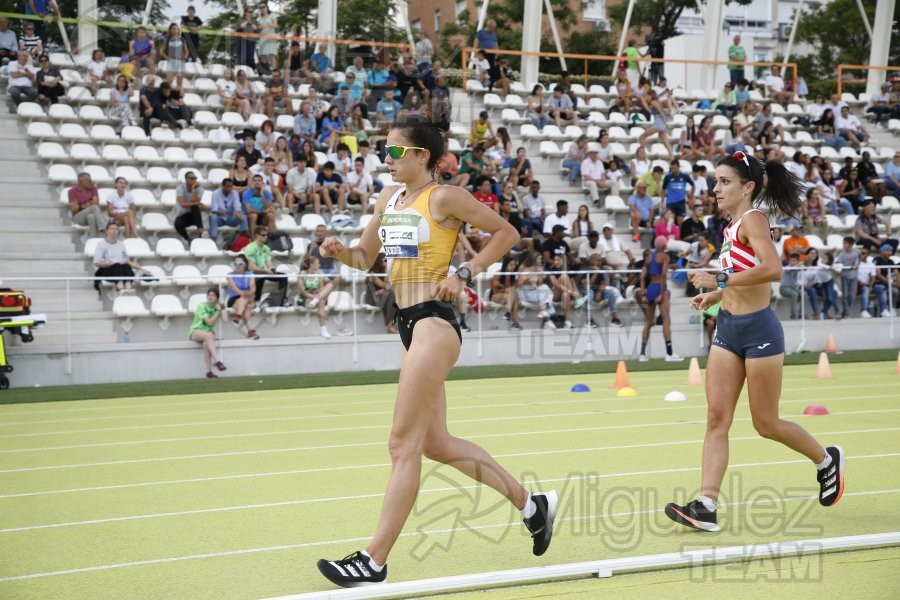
824	369
897	370
830	345
694	377
621	377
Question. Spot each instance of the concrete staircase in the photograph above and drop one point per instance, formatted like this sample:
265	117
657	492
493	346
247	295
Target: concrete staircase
37	241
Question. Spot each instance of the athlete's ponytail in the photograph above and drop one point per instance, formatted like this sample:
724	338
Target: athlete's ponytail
775	187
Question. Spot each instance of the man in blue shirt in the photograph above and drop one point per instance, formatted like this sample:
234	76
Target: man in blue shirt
321	71
226	209
258	205
486	39
9	43
305	123
380	79
677	189
387	110
640	205
41	8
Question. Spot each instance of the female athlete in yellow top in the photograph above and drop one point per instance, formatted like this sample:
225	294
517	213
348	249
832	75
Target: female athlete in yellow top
417	224
748	343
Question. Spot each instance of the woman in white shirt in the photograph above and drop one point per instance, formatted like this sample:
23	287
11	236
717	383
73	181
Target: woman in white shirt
536	111
227	90
97	71
640	164
120	102
120	207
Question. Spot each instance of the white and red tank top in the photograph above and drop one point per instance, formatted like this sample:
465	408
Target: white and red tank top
736	256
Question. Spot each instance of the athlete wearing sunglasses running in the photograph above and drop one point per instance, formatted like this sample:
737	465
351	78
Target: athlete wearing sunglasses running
417	223
748	343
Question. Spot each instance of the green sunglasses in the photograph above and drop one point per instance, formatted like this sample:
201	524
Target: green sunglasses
396	152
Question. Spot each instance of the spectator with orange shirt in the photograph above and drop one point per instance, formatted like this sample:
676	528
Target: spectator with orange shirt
796	243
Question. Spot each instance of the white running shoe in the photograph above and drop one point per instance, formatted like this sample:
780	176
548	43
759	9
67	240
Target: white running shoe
643	358
579	302
674	358
313	303
865	314
548	325
543	315
325	333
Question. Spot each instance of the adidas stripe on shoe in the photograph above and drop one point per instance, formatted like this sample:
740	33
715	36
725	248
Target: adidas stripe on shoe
540	524
831	478
351	571
694	515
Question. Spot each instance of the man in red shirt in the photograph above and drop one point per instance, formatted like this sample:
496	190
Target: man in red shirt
84	202
484	195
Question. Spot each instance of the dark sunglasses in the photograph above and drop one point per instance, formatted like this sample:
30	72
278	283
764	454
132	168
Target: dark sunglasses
741	157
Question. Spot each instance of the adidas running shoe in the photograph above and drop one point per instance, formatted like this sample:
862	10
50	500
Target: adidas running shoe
694	515
540	524
351	571
831	478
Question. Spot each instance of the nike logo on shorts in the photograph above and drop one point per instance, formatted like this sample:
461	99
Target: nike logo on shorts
763	347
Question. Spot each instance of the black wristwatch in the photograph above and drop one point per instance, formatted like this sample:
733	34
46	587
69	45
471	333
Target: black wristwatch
722	279
465	274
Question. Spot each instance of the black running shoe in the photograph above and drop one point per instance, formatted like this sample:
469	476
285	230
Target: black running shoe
540	524
831	478
351	571
693	514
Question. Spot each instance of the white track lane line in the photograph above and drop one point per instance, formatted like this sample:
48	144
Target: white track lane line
39	409
157	561
842	397
331	447
201	511
299	406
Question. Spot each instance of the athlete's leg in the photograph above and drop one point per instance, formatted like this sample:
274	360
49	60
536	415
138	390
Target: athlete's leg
764	376
434	350
724	380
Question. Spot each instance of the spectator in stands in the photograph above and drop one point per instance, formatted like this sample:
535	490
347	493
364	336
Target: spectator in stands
532	289
313	290
813	211
825	130
424	52
581	226
775	88
892	175
408	80
358	70
486	39
482	131
321	69
653	180
240	174
880	104
593	175
614	253
868	175
575	155
352	89
687	144
849	127
257	203
142	51
738	56
693	226
332	129
277	95
305	123
677	190
658	126
639	165
22	76
641	209
883	277
226	209
112	262
49	81
440	98
790	284
535	109
84	204
386	110
564	289
191	25
852	189
189	207
380	79
298	65
448	167
473	166
259	259
701	186
120	103
534	207
796	243
246	45
203	330
379	293
867	229
31	42
706	140
282	157
865	278
700	253
357	124
655	294
560	107
560	217
96	71
330	190
301	185
847	264
244	90
120	207
667	228
174	52
734	139
152	105
360	185
268	44
501	76
829	191
520	170
9	43
241	293
726	102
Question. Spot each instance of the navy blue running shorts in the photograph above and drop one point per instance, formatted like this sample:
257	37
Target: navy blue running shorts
754	335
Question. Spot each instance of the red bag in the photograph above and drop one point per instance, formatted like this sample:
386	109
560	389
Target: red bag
14	302
474	301
239	242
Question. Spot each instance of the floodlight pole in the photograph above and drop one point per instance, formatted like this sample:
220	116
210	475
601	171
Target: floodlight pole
712	33
87	32
482	15
531	41
790	44
623	35
881	44
147	9
327	25
555	30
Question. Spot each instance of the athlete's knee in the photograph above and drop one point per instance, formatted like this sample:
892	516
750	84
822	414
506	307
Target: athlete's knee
404	447
718	420
437	448
767	428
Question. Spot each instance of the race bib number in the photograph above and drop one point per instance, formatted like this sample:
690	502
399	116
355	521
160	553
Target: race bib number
400	235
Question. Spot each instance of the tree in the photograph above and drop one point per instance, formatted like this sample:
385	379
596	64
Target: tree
659	15
836	32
